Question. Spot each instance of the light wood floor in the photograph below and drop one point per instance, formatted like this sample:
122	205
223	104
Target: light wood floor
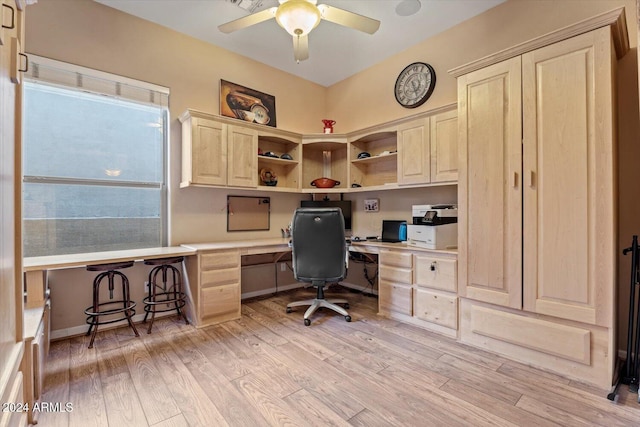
268	369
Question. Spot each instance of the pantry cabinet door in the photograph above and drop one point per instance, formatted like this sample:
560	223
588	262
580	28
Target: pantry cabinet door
569	191
489	184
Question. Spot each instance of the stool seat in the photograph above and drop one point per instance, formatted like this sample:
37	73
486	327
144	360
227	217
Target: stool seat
167	295
164	261
110	266
123	307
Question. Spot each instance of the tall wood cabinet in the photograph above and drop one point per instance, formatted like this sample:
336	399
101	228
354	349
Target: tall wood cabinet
537	205
11	321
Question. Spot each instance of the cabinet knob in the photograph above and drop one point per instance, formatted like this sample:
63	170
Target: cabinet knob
433	266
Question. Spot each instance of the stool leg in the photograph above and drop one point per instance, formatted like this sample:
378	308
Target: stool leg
177	292
96	308
148	307
153	275
127	302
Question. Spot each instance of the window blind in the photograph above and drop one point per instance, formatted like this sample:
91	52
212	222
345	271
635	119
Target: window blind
86	79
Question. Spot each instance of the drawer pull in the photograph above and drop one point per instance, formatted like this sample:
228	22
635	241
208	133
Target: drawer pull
13	18
433	266
26	63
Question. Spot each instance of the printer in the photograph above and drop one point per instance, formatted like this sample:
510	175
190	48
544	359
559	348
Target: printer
433	226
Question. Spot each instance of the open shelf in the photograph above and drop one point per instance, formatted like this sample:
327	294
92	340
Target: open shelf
324	157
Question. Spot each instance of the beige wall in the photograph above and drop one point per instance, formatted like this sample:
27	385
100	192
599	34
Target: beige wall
89	34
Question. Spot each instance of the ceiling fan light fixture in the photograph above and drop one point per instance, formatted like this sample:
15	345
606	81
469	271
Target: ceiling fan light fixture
298	17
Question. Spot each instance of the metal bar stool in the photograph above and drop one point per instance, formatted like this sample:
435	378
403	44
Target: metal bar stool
123	306
171	296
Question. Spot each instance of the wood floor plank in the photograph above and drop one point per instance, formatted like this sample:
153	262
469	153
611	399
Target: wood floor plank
56	383
85	388
319	379
551	413
191	399
268	369
276	411
498	407
155	397
224	395
121	401
214	347
313	411
177	421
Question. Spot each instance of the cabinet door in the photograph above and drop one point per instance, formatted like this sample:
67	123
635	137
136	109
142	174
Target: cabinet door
489	188
243	157
569	189
11	343
444	147
414	166
208	152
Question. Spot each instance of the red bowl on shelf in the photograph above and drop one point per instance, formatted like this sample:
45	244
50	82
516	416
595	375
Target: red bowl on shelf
324	183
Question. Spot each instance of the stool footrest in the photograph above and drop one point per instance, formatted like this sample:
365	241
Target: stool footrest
93	315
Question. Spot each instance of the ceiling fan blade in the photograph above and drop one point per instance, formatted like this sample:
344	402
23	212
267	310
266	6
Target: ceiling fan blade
300	48
247	21
349	19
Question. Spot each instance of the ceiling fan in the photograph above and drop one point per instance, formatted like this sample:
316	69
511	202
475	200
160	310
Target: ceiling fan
299	17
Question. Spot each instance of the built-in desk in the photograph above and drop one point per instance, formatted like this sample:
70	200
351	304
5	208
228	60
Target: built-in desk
35	268
416	285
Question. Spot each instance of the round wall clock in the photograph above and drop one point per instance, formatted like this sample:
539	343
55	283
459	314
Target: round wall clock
415	84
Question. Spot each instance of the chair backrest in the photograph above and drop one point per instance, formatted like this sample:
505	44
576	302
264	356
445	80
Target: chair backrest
318	244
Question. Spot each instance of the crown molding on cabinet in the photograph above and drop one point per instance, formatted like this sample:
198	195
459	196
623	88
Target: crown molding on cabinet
616	19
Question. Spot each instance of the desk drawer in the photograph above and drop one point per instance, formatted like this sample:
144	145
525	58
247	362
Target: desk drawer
395	275
223	276
436	307
396	259
217	260
437	273
220	301
394	297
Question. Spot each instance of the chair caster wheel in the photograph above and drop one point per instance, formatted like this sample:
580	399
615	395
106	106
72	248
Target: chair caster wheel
346	306
288	309
347	318
307	322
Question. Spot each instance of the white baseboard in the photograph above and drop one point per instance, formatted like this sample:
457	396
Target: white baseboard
366	290
270	290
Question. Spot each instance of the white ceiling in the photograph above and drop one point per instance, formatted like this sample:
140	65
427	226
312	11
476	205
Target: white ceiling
335	52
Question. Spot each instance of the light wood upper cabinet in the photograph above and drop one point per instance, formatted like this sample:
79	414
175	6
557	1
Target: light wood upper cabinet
489	184
217	154
204	152
242	157
444	147
569	189
415	151
414	165
428	149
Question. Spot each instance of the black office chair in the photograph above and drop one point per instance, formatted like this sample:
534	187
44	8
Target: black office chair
319	254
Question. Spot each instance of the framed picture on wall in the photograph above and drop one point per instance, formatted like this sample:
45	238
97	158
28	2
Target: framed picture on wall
371	205
247	104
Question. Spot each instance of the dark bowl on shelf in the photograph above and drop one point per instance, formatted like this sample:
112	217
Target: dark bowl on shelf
324	183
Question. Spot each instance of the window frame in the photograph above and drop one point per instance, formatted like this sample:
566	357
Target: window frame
117	80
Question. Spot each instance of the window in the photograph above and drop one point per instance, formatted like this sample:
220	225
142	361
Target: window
94	161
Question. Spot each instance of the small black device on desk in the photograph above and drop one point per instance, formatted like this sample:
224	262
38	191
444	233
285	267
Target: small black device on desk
393	231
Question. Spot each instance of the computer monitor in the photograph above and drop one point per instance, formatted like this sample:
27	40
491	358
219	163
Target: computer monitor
344	205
